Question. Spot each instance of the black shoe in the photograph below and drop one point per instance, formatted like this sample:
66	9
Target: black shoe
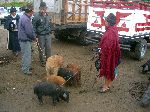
15	53
30	69
42	64
28	73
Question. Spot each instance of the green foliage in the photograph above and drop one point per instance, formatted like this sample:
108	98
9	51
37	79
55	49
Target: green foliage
16	4
147	1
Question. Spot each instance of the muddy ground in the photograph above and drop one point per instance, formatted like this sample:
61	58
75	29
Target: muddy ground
16	89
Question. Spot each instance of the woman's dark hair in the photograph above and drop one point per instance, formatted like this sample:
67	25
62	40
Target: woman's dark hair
111	19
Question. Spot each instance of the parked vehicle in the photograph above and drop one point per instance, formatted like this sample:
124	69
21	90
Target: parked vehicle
83	20
3	13
69	18
133	22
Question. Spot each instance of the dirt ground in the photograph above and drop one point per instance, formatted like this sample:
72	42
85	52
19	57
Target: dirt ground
16	89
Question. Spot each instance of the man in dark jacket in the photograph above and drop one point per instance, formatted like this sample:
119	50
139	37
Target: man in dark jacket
11	24
26	35
41	24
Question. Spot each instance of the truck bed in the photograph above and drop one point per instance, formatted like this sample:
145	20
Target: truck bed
68	11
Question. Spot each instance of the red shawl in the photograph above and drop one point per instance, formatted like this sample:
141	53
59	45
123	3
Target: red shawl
110	52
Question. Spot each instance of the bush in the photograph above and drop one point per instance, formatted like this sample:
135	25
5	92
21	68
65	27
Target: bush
15	4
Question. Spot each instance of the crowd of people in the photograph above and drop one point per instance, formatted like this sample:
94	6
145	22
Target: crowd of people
23	31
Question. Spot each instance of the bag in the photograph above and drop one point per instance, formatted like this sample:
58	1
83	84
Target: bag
119	61
116	72
97	64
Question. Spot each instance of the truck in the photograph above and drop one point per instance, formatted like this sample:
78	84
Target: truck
133	23
69	18
83	21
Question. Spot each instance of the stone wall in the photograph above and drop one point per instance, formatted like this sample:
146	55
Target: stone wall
3	40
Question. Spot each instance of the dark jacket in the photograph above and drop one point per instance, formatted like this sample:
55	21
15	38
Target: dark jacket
9	21
25	29
41	24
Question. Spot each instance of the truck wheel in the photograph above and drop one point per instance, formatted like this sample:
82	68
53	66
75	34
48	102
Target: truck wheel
60	36
82	39
140	49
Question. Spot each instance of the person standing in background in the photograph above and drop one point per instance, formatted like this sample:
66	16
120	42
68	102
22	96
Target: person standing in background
110	52
26	36
11	24
42	27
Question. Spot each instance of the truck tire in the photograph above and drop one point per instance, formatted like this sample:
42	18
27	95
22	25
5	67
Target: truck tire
60	36
82	39
140	49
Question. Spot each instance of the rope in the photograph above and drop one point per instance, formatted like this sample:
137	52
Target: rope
41	49
69	79
95	52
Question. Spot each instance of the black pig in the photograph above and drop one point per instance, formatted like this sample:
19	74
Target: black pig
67	75
145	101
52	90
146	67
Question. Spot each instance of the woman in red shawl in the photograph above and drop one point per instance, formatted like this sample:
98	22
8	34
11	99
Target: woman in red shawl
110	52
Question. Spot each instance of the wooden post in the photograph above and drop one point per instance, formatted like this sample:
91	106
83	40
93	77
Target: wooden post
80	9
86	8
62	13
73	10
66	11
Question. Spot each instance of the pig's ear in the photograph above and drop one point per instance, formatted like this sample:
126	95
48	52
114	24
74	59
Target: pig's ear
57	89
67	91
146	68
64	95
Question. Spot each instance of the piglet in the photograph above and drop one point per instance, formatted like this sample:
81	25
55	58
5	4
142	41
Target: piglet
50	89
71	74
67	75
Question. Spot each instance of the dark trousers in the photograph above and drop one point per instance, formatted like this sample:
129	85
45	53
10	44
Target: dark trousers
13	42
44	47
